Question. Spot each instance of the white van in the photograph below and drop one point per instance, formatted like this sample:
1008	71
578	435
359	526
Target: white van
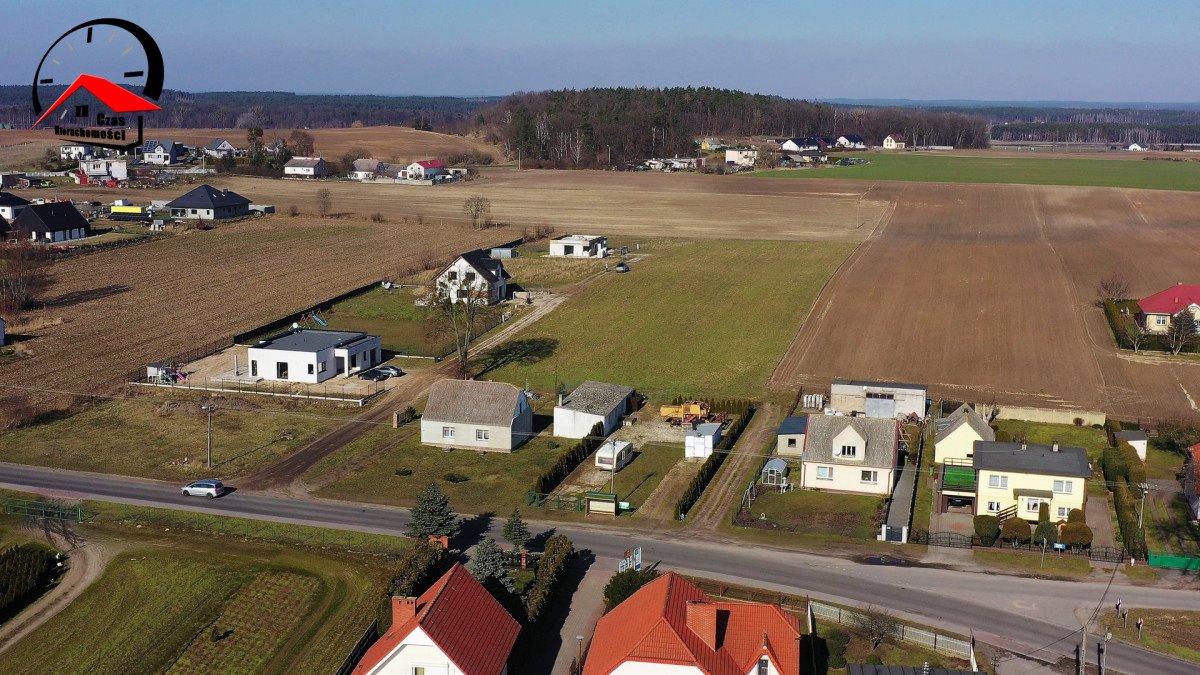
614	453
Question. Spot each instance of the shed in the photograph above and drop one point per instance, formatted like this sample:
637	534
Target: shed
504	252
878	399
789	438
775	472
1138	439
700	442
590	404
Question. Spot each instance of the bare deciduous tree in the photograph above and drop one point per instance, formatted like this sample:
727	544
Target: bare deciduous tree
1113	287
1136	334
23	274
477	207
876	626
301	143
324	202
57	528
457	305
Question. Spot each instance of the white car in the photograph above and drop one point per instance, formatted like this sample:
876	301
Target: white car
204	488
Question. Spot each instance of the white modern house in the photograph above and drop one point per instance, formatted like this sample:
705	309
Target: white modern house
11	205
579	246
878	399
306	167
741	156
161	153
894	142
956	435
208	203
75	151
49	223
474	275
850	454
699	443
489	416
454	628
590	404
313	356
220	148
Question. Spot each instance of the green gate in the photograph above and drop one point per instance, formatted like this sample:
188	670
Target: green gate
1175	562
25	507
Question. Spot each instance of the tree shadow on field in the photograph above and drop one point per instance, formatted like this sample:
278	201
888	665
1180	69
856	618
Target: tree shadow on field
521	352
80	297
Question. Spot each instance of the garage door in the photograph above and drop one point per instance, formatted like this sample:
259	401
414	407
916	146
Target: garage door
881	405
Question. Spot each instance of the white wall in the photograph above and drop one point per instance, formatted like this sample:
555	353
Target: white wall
781	444
480	285
700	447
847	478
647	668
576	424
466	436
298	362
958	445
10	212
415	651
365	354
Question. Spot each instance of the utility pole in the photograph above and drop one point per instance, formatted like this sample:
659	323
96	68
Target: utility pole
1083	651
1103	647
1142	508
208	408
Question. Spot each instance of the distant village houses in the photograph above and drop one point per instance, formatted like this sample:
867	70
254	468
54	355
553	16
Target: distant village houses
306	167
893	142
220	148
161	152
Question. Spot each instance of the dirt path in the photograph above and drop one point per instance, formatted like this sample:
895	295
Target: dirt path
85	565
660	506
733	475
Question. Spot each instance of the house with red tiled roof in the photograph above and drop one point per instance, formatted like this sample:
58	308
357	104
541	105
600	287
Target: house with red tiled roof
426	169
671	627
1191	481
1157	309
454	628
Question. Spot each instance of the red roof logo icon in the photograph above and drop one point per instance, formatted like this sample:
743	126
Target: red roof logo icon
117	98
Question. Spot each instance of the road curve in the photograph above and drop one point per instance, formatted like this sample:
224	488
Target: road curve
1030	612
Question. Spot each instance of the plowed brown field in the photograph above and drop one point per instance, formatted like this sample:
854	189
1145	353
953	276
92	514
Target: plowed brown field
987	293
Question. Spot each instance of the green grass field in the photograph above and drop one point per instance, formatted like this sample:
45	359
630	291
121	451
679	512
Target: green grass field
702	318
149	436
1073	566
810	512
937	168
402	326
641	477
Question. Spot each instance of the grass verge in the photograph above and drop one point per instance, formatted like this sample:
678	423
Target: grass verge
810	512
1025	562
1176	633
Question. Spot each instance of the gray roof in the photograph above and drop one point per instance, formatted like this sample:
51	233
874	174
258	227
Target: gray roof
310	162
490	269
793	425
216	144
367	164
875	383
311	340
208	197
1033	458
597	398
964	415
1132	435
775	464
880	435
473	402
49	217
707	429
9	199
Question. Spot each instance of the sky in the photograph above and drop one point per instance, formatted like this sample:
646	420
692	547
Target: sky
1099	50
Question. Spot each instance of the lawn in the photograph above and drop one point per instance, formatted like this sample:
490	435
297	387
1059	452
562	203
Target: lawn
641	477
810	512
923	508
539	271
1162	464
702	318
497	482
938	168
1172	632
1032	564
151	435
1168	525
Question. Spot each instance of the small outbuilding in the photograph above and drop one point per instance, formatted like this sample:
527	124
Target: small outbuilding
775	473
590	404
878	399
312	356
699	443
789	438
1137	438
489	416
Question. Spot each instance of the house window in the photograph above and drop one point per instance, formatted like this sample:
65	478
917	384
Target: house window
1063	512
452	275
791	442
849	451
321	367
993	507
1032	504
418	670
1064	486
253	367
354	360
764	667
824	473
470	277
311	369
482	434
447	432
995	481
871	477
281	370
1160	320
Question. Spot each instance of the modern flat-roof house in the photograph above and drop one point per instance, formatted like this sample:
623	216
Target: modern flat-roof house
1137	439
220	148
878	399
474	275
1158	309
852	141
313	356
49	223
306	167
454	628
11	205
700	442
850	454
789	438
579	246
1017	477
957	433
893	142
208	203
741	156
426	169
592	403
670	626
366	169
161	152
491	416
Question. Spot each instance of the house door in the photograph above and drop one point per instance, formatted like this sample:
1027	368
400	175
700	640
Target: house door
339	364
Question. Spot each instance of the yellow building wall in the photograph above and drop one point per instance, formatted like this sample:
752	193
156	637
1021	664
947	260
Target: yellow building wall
959	444
1027	481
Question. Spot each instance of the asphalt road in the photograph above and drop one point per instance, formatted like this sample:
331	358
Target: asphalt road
1031	616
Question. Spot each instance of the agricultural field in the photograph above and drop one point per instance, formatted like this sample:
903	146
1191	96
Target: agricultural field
986	293
944	168
688	319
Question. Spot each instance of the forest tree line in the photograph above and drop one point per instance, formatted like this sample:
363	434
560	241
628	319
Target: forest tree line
1079	132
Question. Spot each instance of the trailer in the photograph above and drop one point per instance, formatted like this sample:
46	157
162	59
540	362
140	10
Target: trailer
614	455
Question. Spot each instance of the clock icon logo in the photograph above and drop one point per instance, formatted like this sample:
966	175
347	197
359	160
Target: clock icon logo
105	58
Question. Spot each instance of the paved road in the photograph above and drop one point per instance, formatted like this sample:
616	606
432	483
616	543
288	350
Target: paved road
1030	613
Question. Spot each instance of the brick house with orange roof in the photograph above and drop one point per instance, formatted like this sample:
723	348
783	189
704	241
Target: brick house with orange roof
454	628
671	627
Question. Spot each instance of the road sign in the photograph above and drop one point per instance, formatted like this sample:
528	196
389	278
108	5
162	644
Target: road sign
1060	547
631	561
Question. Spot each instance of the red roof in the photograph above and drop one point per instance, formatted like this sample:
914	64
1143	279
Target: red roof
1171	300
120	100
470	627
432	164
670	621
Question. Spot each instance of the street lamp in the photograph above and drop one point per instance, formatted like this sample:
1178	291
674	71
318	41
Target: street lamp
209	408
579	657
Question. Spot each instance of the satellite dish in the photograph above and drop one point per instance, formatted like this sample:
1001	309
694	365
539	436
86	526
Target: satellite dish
295	325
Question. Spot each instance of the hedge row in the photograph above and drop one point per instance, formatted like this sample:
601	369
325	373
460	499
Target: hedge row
1119	323
1122	462
25	570
550	567
569	460
421	563
1127	516
713	463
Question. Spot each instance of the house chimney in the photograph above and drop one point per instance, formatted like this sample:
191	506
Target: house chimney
403	609
702	620
560	398
1054	446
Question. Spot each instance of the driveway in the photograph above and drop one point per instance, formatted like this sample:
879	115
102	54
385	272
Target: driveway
1096	512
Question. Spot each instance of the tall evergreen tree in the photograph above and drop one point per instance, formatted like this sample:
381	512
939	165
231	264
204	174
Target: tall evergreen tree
516	531
432	515
488	566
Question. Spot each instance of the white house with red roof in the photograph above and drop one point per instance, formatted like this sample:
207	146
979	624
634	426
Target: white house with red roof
1157	309
426	169
671	627
455	628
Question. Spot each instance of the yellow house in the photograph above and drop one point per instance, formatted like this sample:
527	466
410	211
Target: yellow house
957	433
1021	476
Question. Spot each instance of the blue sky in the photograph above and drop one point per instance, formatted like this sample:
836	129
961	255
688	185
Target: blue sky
1102	50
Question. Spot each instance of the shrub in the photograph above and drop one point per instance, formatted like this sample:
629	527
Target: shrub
455	477
1003	436
417	569
987	528
1045	532
293	211
550	567
1133	536
25	571
1076	516
377	217
1015	531
1043	513
1077	535
836	642
624	584
1078	421
404	471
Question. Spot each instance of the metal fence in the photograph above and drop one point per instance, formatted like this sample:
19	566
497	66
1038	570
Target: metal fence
25	507
928	639
556	502
313	392
1173	561
369	636
959	540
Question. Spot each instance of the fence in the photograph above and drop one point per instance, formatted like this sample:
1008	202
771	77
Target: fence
928	639
958	540
369	636
716	589
209	348
542	500
25	507
268	389
1189	563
